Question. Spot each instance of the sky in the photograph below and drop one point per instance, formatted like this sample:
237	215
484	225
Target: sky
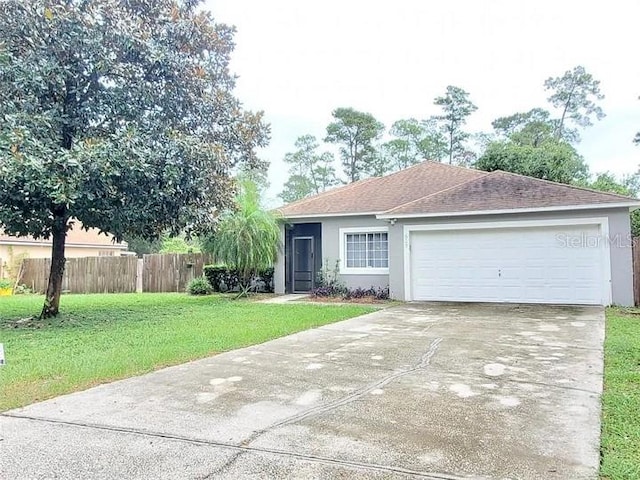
299	60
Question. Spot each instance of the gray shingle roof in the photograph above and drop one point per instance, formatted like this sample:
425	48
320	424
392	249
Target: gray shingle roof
437	188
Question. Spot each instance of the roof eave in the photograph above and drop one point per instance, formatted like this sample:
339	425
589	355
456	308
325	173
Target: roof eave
632	205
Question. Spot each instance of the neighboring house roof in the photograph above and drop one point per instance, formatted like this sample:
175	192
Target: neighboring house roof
431	189
76	237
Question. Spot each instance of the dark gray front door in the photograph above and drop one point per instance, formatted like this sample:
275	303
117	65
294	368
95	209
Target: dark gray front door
303	270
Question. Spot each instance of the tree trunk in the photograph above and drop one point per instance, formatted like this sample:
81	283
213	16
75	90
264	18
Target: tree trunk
451	144
564	113
54	288
354	161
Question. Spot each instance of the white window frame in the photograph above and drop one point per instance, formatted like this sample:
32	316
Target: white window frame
344	270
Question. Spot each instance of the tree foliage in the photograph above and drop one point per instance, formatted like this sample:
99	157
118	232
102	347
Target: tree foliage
575	93
456	108
355	132
247	239
296	188
256	172
179	244
413	141
310	172
534	128
629	185
555	161
536	144
143	246
117	113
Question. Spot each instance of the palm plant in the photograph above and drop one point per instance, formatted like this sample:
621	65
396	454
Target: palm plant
247	239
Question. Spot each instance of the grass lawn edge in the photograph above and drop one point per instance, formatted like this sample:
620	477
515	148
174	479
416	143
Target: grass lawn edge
143	333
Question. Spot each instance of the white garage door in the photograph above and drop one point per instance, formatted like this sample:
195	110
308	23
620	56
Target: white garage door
528	265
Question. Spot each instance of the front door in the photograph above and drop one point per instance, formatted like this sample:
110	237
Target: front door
303	270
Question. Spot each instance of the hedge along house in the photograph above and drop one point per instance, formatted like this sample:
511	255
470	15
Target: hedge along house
434	232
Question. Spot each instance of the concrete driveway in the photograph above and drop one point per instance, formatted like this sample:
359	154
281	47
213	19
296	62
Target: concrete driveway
416	391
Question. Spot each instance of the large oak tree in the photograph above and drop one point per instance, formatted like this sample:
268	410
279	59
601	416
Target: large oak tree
119	114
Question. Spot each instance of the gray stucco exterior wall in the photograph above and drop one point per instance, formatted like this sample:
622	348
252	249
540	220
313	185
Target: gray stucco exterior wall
621	258
278	268
619	239
331	248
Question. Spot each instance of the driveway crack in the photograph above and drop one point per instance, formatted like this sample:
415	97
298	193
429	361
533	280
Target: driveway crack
329	406
357	394
245	449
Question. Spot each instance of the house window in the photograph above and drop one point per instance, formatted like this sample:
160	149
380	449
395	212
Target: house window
364	251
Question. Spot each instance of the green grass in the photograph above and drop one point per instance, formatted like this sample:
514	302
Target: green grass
621	400
100	338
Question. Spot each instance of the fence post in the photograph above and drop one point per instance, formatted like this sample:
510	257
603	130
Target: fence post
139	270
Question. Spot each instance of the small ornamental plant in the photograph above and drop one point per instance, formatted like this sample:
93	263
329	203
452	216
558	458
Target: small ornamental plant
6	287
199	286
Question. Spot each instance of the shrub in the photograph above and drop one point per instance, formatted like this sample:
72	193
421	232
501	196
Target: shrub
223	279
199	286
329	285
379	293
22	290
267	277
356	293
5	283
329	280
329	291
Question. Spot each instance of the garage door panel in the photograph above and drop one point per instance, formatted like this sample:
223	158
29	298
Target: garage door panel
513	265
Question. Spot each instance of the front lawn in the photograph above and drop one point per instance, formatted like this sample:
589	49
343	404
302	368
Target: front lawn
100	338
620	449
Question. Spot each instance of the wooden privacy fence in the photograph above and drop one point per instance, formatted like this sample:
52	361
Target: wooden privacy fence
171	272
153	273
83	275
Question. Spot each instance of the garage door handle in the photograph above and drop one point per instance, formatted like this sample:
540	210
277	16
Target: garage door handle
499	273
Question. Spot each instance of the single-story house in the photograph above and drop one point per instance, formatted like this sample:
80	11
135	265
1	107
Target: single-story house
80	243
436	232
